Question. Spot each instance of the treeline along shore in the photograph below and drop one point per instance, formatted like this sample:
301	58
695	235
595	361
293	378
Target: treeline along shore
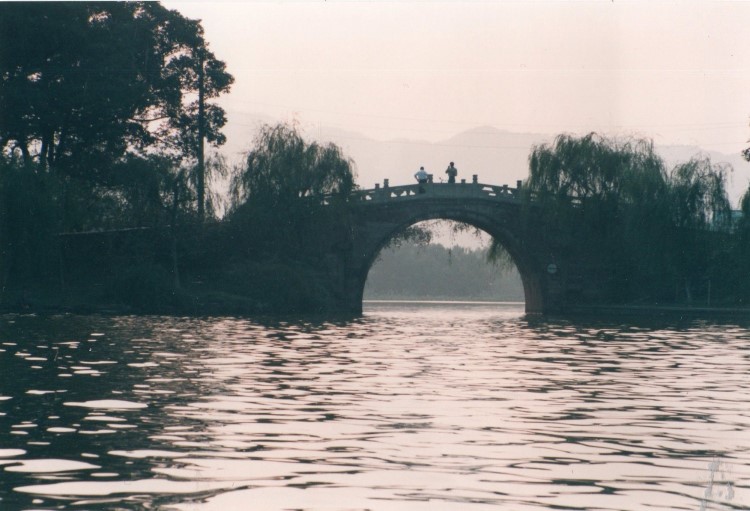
435	272
107	199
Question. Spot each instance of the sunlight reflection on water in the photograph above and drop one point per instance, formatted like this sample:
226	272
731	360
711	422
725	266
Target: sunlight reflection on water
413	406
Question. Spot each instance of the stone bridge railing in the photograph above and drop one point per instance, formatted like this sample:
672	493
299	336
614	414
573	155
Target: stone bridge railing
462	190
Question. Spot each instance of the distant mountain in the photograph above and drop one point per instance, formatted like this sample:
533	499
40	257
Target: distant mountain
497	156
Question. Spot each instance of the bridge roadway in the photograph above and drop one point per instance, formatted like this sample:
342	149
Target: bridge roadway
381	213
459	191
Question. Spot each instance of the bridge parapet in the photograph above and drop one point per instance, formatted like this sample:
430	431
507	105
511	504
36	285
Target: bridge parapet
438	190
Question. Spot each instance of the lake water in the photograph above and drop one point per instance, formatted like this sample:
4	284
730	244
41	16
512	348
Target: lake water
411	407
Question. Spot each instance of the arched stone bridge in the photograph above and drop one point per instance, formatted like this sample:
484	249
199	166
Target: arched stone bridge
381	213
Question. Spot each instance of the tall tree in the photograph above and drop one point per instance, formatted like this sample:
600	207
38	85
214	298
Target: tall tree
203	77
83	83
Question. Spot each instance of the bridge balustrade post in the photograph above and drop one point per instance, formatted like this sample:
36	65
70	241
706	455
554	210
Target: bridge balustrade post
377	186
385	183
475	178
463	181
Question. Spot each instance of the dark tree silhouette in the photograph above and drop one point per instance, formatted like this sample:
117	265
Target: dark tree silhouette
84	83
283	167
288	188
619	206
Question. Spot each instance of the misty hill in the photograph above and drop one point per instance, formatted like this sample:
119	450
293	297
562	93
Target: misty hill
435	272
497	156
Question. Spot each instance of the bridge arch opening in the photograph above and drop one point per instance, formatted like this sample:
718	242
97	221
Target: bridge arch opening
443	260
517	282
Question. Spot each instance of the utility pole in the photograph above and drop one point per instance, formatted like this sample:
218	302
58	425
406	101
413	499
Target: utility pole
201	181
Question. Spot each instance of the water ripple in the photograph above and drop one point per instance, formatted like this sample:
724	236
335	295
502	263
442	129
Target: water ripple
411	407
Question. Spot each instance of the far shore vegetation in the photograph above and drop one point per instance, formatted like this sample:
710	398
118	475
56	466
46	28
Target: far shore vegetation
416	271
109	138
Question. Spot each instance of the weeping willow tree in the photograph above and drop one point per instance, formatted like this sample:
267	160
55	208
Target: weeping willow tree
699	195
700	210
743	225
739	262
287	188
616	206
282	168
290	203
742	248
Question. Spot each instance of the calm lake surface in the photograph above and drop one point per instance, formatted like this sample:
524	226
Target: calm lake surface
411	407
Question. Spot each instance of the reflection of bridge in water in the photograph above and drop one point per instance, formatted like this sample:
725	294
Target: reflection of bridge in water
384	211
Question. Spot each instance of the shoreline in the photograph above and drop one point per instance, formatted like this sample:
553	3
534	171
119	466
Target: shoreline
438	301
249	309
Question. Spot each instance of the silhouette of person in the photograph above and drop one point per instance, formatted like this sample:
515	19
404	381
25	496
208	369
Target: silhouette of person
422	177
452	172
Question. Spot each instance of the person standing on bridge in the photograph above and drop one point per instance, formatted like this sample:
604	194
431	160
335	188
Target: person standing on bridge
422	177
452	172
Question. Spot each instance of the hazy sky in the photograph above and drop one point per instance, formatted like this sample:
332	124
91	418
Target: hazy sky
678	72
